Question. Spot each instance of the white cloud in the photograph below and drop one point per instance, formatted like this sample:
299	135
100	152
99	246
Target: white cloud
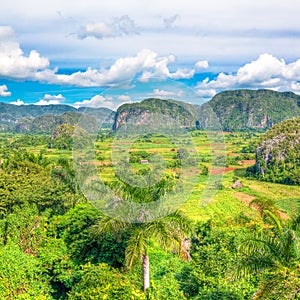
265	72
202	64
119	27
103	101
13	62
124	98
164	93
146	62
227	32
207	93
295	86
18	102
95	102
182	74
51	99
292	71
4	91
97	30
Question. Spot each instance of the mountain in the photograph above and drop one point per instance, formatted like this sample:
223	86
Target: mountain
236	110
45	123
44	118
278	153
154	108
252	109
10	113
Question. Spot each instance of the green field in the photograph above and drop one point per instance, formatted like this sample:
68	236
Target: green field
225	203
50	251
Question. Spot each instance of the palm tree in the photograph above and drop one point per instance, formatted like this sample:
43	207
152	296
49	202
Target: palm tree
169	231
263	205
275	250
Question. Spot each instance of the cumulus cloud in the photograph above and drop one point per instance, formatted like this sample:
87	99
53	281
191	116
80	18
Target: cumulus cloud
145	65
96	102
51	99
18	102
265	72
202	64
13	62
158	92
206	93
119	27
164	93
4	91
124	98
103	101
169	22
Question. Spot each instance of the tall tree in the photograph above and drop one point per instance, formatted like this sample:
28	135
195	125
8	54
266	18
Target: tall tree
170	232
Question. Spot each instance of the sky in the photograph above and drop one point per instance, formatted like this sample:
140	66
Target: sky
105	53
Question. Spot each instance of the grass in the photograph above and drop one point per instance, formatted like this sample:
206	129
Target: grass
223	205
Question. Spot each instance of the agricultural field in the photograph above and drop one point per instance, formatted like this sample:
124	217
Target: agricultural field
57	237
239	151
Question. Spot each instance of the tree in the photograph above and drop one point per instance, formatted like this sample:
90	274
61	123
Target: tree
274	252
264	205
170	232
64	172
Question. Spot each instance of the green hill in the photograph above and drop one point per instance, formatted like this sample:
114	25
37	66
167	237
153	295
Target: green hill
45	123
238	110
253	109
141	112
278	153
44	118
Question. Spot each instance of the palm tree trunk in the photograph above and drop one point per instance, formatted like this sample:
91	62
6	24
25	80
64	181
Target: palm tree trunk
146	272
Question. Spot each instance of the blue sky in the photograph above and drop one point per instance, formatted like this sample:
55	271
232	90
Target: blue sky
105	53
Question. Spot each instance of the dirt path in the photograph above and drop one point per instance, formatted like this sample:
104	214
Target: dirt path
246	199
243	197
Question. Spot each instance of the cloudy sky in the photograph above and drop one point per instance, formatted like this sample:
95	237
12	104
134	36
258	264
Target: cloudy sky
104	53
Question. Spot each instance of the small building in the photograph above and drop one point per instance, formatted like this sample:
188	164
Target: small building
144	162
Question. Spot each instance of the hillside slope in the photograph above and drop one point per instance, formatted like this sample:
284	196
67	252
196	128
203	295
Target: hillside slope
43	118
253	109
142	112
278	153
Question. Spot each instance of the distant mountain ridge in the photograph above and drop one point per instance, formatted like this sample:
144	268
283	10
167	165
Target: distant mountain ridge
43	118
236	110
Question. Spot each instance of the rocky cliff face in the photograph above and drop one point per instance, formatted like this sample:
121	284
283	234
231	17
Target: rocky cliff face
278	153
156	110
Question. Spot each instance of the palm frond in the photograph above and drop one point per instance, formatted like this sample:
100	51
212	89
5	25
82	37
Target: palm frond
275	220
136	247
109	225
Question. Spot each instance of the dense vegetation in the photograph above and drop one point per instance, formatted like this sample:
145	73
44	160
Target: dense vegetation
56	245
243	244
44	118
237	110
141	112
253	109
278	153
